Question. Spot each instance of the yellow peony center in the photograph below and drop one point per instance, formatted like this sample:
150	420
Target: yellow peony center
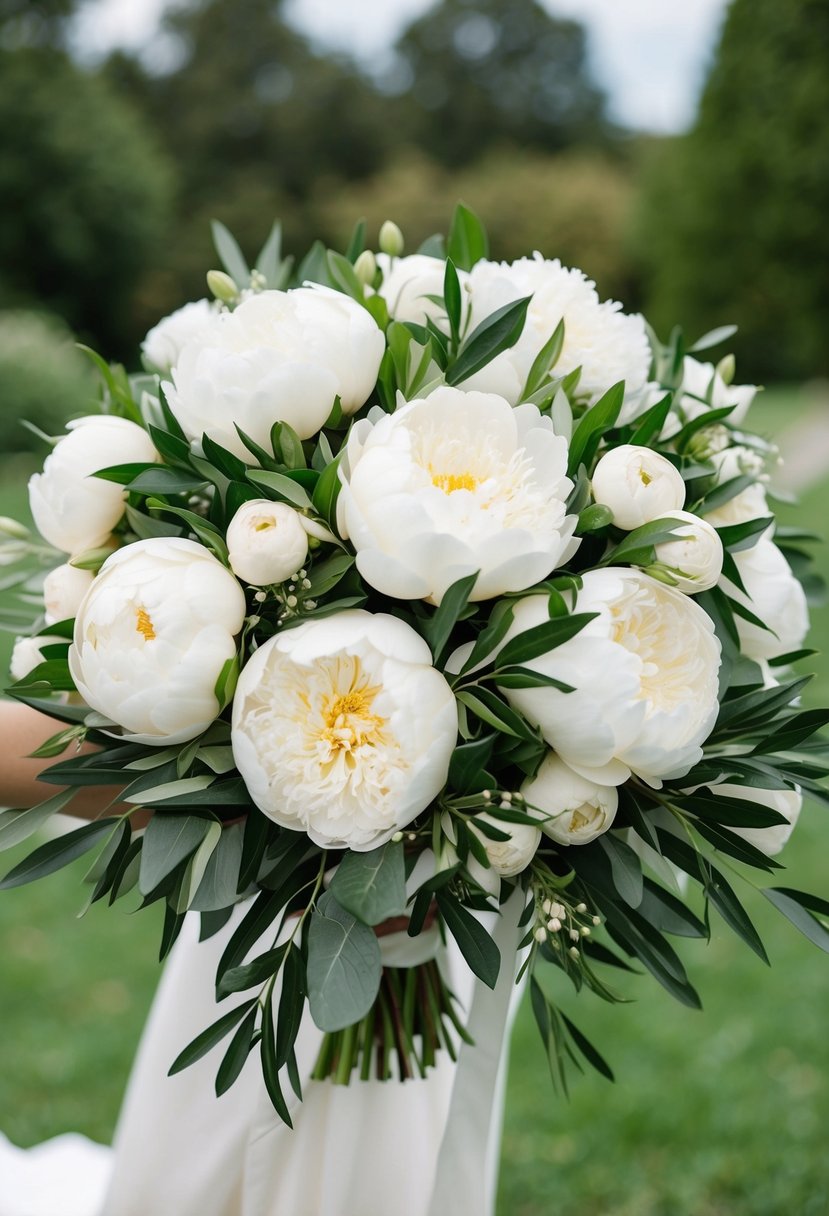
645	478
449	482
144	624
264	524
578	820
348	721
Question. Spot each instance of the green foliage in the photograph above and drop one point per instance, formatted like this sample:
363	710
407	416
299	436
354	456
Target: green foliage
83	193
487	73
734	217
44	379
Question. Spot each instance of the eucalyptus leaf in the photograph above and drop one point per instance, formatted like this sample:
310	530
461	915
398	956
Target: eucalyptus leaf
372	886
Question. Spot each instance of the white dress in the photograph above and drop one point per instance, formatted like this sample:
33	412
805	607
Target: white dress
427	1147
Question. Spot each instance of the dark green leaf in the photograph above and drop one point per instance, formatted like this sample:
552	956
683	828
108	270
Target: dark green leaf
56	854
209	1038
596	422
236	1054
498	332
475	944
467	242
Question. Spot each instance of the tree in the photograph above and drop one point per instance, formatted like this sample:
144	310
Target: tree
83	193
486	72
734	223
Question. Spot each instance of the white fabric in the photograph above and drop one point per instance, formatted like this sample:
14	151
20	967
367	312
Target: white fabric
369	1149
66	1176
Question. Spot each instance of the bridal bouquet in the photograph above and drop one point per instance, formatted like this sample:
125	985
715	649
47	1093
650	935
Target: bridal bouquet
405	590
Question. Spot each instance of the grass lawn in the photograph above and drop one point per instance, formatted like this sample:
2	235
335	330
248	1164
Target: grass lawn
715	1114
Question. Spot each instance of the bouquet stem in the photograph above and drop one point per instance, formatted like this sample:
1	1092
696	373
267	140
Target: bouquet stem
413	1018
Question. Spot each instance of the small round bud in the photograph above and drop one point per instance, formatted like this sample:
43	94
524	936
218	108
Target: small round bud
597	920
574	952
585	932
582	908
221	285
540	934
546	907
726	367
555	925
397	837
365	267
574	935
391	239
261	596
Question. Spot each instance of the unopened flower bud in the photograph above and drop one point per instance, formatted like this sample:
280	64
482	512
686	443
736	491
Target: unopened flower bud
726	368
540	934
365	267
222	286
391	239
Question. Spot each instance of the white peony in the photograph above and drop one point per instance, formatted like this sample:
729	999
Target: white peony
702	389
343	729
638	485
452	484
775	596
165	341
27	654
409	282
695	558
266	542
280	356
507	857
645	679
750	503
576	809
72	509
152	636
786	802
606	343
63	589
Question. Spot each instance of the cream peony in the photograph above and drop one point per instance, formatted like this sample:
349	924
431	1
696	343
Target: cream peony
266	542
507	857
575	809
452	484
409	282
695	558
606	343
645	675
786	802
63	589
750	503
72	509
638	485
775	596
165	341
280	356
343	729
152	636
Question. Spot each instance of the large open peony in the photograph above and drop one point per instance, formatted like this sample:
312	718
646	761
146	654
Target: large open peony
606	343
152	635
342	728
451	484
281	356
645	674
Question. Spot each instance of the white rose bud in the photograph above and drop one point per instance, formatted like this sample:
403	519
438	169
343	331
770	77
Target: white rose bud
695	558
63	590
73	510
266	542
578	810
638	485
508	857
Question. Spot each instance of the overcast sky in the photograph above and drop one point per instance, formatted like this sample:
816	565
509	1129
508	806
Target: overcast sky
649	55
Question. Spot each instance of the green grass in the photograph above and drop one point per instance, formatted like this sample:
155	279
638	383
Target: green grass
721	1113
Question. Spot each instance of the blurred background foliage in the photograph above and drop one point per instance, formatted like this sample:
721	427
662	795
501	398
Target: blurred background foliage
109	175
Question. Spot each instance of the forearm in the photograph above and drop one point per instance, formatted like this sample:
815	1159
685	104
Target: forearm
22	731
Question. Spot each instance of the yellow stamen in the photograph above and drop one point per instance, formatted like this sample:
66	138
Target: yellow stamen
449	482
263	525
645	478
144	624
348	718
579	820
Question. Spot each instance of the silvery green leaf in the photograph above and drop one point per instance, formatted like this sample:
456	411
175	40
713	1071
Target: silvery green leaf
168	840
344	966
372	886
16	826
